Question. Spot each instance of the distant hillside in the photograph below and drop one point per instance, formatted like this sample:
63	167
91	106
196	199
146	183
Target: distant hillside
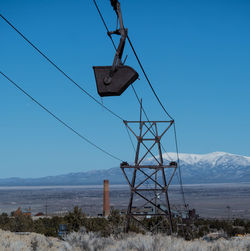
217	167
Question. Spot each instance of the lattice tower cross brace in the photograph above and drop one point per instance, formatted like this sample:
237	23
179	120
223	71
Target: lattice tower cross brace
151	127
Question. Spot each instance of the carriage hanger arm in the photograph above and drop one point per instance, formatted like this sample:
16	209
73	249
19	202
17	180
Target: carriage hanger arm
122	31
114	80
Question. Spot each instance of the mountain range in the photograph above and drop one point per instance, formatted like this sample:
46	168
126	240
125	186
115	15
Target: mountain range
216	167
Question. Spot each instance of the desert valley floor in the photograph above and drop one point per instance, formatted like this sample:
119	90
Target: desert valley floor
209	200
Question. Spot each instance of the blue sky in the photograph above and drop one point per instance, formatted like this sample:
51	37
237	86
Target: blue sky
196	53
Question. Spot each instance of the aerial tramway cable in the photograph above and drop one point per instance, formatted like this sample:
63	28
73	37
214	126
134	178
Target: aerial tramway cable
133	88
92	97
156	96
60	70
60	120
104	23
63	72
164	109
108	32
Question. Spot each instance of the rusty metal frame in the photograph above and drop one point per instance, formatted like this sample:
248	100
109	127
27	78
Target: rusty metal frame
151	172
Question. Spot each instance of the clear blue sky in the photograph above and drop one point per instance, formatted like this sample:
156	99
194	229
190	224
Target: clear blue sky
197	55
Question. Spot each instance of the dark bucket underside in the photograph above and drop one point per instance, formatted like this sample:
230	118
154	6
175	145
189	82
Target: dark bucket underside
120	79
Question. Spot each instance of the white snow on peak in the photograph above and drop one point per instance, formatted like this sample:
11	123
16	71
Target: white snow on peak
213	159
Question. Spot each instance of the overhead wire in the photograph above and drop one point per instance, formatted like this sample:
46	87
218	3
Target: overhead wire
138	99
164	109
179	167
104	23
81	88
140	64
108	32
59	69
131	141
143	110
60	120
133	88
156	96
136	95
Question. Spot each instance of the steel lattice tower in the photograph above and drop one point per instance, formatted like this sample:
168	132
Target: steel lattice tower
154	181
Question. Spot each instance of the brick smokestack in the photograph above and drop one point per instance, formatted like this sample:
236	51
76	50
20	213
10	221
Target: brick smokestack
106	206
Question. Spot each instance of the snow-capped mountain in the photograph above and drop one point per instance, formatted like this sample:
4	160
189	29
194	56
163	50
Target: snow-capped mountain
212	167
213	159
217	167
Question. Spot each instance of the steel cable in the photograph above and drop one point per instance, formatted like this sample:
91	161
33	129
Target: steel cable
179	167
58	119
155	94
140	64
59	69
104	23
133	88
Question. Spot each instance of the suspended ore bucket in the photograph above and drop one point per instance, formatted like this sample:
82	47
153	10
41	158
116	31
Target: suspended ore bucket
111	82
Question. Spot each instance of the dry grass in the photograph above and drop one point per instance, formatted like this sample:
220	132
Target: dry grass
139	242
132	242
